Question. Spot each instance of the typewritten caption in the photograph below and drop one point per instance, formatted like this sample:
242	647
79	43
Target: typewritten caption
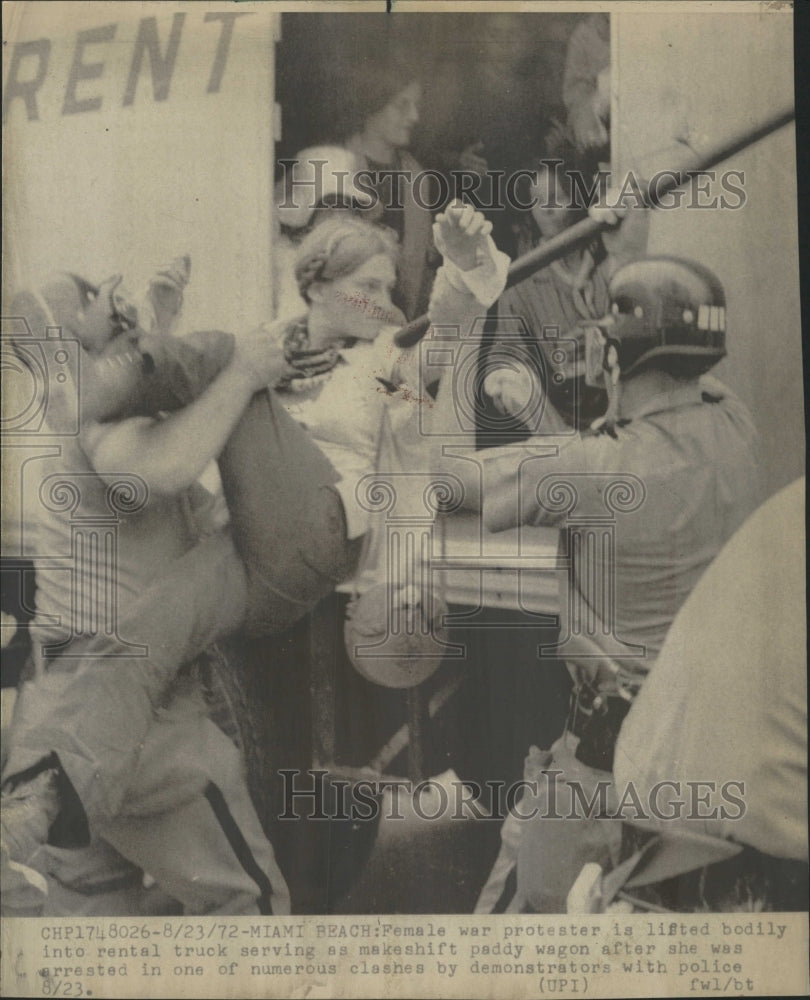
740	954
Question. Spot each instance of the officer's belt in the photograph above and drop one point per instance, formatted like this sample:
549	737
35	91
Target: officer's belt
596	720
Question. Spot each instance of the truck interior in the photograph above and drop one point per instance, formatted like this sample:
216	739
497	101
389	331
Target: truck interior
306	720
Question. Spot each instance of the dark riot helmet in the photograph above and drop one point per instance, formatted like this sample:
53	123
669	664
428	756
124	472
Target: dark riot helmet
660	308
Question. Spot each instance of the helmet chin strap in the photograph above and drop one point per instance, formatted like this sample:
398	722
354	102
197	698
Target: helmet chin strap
613	386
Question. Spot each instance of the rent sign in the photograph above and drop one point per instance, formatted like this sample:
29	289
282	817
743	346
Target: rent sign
92	47
136	132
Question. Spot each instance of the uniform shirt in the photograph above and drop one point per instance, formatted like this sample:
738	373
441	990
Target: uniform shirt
689	461
727	701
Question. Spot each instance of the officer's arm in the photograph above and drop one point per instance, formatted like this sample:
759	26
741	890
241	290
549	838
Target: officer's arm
537	482
171	454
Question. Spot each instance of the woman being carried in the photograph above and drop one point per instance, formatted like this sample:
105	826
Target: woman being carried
91	730
346	270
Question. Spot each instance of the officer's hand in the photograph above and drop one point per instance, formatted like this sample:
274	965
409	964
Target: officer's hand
600	672
612	210
459	233
590	664
619	201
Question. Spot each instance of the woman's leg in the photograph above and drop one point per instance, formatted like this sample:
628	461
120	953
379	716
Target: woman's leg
288	520
286	516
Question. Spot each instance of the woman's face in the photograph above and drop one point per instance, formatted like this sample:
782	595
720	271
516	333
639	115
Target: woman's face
394	123
359	304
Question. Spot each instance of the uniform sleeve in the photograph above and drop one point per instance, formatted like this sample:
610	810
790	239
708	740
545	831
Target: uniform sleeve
539	482
740	416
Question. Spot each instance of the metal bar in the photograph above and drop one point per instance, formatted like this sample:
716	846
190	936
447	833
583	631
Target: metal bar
497	563
583	232
399	740
418	726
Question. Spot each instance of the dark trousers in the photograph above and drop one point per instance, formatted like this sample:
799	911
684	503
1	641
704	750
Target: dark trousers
99	710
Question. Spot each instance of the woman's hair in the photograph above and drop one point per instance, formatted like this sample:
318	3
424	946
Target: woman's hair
338	247
369	87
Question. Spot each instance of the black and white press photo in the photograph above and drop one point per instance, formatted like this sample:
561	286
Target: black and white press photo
403	577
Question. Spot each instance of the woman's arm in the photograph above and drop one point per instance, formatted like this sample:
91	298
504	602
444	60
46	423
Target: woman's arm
473	272
470	280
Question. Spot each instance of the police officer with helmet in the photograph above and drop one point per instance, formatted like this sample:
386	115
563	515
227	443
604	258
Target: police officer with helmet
661	481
